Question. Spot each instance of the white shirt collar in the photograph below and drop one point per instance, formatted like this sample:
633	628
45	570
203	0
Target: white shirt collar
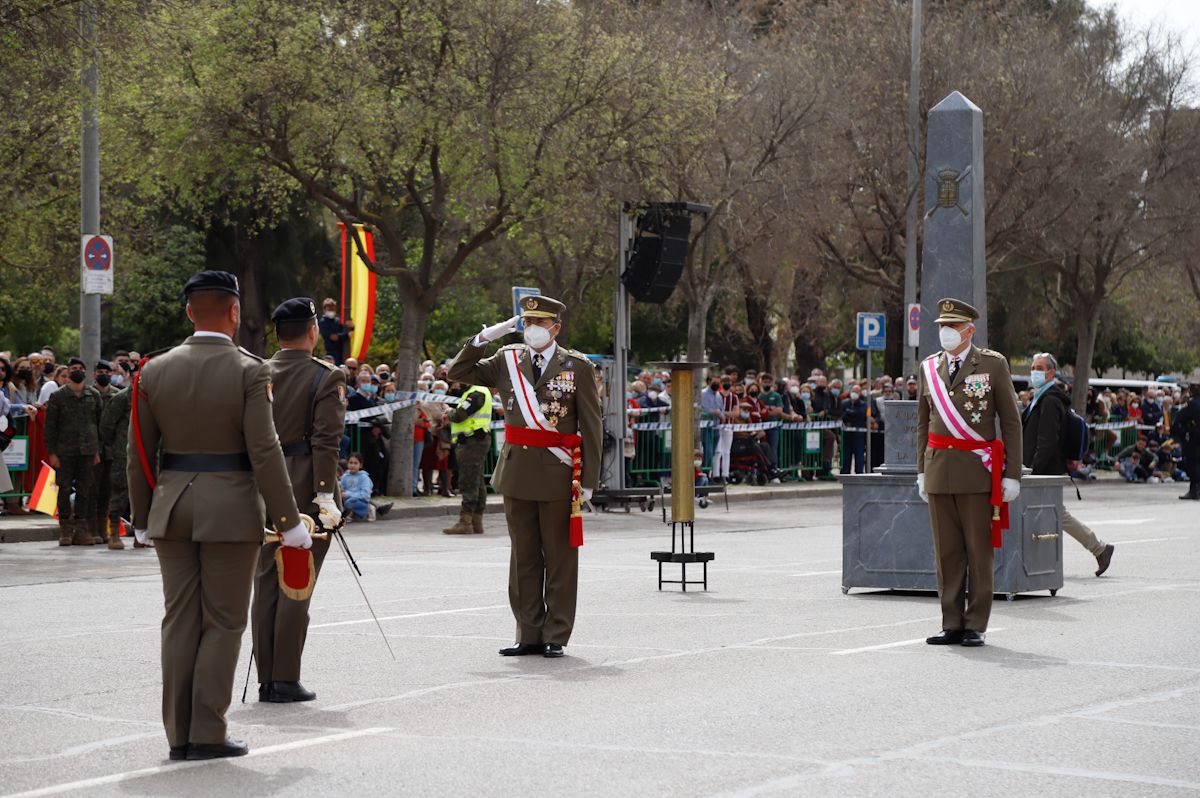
546	354
211	334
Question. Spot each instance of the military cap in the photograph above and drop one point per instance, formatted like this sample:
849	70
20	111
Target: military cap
954	311
212	281
76	361
299	308
103	364
541	307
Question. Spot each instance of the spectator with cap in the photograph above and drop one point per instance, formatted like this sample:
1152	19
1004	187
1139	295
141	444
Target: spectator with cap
334	333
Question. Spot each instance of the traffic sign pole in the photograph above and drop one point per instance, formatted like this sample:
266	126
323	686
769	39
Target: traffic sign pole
89	304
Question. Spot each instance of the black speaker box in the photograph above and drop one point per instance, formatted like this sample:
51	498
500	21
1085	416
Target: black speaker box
657	256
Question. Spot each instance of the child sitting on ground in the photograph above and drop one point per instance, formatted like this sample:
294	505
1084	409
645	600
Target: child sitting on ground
356	490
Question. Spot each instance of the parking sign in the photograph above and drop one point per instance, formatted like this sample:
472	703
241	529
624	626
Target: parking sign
870	332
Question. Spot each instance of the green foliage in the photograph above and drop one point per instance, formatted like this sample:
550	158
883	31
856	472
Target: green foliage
147	303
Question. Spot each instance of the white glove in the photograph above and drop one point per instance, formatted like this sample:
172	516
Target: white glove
142	536
327	510
297	537
921	488
586	493
1010	489
497	331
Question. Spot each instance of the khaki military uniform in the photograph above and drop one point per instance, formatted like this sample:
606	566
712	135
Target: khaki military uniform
543	567
305	388
958	484
207	405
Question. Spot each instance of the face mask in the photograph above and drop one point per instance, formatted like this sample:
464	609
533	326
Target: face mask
630	394
24	374
794	390
725	386
745	414
950	338
1037	378
440	391
329	314
714	386
754	392
390	396
368	388
76	377
697	463
385	376
103	380
48	368
1134	405
653	394
835	391
117	379
806	396
537	337
657	383
854	396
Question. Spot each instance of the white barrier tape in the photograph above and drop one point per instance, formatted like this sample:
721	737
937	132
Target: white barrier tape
403	399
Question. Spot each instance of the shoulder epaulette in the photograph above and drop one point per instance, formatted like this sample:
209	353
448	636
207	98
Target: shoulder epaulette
329	366
990	353
510	346
248	353
578	354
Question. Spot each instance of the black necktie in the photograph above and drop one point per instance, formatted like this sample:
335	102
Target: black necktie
537	367
953	368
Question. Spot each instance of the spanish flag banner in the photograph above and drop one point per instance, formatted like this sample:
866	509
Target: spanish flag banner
358	288
44	498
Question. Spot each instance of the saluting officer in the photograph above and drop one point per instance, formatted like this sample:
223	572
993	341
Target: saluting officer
207	404
551	412
965	473
309	412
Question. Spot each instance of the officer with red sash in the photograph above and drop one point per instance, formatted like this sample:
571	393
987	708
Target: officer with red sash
550	463
965	471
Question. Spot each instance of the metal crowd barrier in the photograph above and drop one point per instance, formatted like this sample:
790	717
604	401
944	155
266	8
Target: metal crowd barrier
1110	438
25	452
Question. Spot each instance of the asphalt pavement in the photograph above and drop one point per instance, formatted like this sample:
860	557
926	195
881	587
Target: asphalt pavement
770	683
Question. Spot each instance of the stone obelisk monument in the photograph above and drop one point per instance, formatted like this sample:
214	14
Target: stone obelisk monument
886	536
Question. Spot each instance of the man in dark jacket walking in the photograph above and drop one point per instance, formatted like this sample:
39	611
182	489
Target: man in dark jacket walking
1186	429
1041	432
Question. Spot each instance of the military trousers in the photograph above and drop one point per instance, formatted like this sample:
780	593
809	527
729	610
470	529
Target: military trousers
103	488
962	543
279	625
472	459
543	570
206	592
118	499
1082	533
77	472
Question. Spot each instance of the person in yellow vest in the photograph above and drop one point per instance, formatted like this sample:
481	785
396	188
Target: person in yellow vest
470	431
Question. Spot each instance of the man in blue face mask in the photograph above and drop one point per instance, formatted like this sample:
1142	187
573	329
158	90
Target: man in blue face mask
1042	436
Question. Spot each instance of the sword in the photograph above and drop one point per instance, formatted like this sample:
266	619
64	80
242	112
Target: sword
246	687
355	572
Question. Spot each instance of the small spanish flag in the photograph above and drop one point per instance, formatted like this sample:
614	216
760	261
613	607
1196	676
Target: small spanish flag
44	498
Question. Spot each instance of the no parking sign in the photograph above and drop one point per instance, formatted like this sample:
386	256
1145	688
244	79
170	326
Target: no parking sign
96	264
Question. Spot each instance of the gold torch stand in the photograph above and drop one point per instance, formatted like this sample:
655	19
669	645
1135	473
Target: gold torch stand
683	479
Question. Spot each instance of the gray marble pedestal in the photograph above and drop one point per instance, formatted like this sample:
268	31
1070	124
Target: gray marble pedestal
887	541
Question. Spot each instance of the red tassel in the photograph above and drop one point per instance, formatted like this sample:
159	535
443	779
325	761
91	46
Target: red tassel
577	530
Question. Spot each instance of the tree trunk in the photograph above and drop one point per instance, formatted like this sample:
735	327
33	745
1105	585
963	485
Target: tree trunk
758	319
1086	326
805	317
252	333
408	360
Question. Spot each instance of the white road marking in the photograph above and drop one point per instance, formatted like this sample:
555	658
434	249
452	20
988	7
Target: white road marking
1145	540
1118	521
129	775
882	646
409	615
817	573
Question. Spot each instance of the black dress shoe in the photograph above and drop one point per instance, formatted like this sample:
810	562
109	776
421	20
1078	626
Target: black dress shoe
264	691
946	637
552	651
178	753
521	650
972	639
230	747
1191	497
289	693
1104	559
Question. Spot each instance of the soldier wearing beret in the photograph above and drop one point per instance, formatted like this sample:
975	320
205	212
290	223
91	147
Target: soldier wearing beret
309	413
198	491
551	417
73	447
965	471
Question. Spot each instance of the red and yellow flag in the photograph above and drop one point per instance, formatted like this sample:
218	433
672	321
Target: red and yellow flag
44	498
358	289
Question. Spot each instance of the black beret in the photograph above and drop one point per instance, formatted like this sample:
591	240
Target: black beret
103	364
299	308
75	361
213	281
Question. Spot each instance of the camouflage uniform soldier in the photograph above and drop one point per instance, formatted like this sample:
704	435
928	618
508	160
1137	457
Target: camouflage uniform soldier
114	435
104	482
470	429
73	446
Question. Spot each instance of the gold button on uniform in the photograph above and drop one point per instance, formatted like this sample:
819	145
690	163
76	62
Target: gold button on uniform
524	447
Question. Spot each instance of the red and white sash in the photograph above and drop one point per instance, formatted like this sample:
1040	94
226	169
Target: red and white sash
527	401
950	416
